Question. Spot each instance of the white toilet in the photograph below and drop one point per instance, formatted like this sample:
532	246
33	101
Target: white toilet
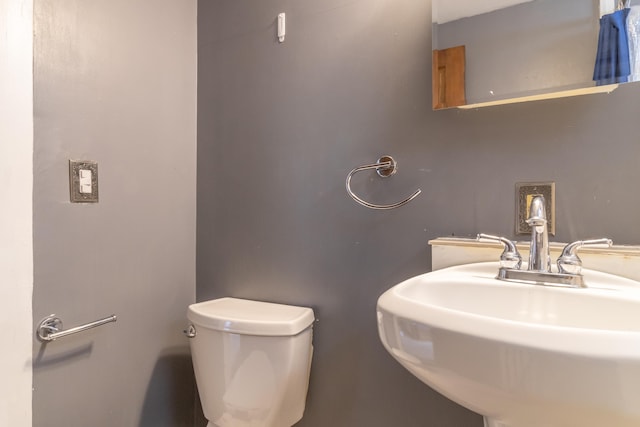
251	361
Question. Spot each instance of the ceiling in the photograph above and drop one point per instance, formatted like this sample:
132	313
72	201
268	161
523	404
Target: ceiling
450	10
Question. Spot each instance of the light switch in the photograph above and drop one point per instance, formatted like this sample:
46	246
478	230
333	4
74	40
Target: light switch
83	181
525	192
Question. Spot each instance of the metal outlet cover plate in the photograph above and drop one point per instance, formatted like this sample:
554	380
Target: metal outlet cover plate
74	181
524	193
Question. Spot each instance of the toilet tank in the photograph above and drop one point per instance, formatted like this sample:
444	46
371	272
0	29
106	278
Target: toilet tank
251	361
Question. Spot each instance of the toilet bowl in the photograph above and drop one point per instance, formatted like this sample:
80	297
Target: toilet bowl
251	361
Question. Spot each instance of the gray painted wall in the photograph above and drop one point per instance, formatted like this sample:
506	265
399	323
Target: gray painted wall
281	125
526	49
115	81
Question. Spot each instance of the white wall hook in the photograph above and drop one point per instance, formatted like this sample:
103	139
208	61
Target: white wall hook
282	29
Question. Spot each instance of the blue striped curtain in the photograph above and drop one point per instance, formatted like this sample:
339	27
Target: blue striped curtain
612	58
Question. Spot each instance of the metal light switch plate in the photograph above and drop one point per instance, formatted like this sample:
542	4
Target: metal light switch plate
79	186
525	191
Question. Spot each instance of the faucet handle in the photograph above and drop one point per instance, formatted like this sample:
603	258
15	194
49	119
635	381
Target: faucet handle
570	263
510	257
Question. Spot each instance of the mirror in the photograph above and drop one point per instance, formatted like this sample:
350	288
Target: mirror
499	51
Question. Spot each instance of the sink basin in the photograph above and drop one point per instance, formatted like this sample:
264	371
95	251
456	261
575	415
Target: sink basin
521	355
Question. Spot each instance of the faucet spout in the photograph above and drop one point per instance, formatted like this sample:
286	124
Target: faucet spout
539	258
539	266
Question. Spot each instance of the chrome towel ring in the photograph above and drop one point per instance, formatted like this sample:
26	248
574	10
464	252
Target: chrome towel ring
385	166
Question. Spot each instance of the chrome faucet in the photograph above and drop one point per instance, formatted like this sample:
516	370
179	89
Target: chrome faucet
539	258
539	268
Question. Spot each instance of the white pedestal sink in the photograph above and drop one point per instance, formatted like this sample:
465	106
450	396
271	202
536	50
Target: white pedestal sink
521	355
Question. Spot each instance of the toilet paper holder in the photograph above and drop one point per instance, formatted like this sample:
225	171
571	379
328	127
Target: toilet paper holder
50	328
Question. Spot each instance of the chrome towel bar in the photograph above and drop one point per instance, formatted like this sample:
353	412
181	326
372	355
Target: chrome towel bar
385	166
50	327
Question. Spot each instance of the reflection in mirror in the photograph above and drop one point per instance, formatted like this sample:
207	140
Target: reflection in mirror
516	49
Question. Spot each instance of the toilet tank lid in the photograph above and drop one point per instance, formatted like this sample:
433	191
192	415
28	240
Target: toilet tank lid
248	317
